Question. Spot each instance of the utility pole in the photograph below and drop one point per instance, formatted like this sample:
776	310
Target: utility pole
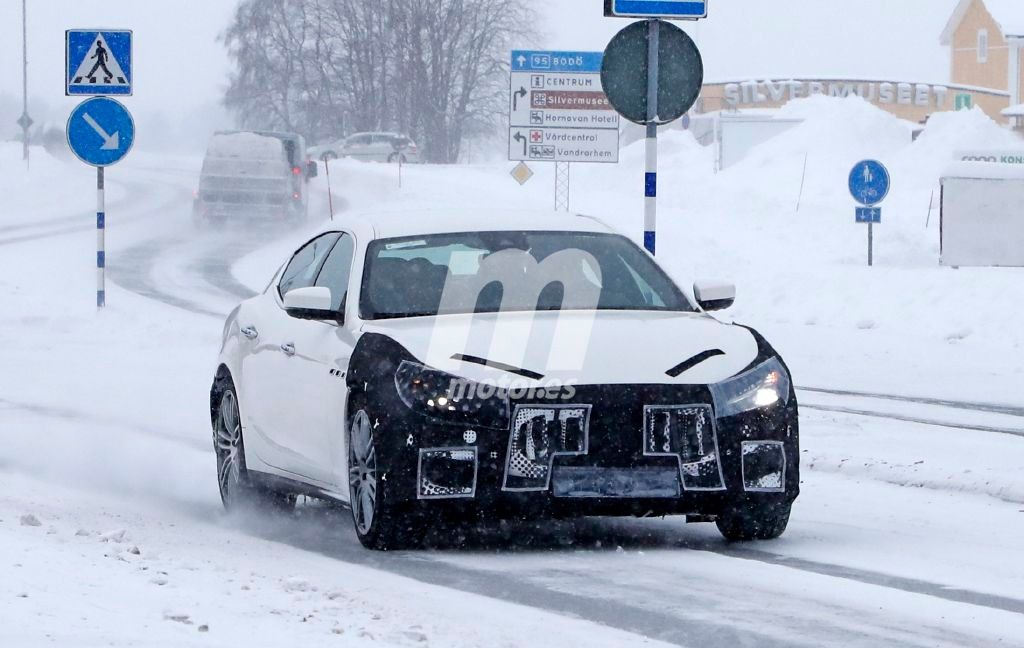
25	121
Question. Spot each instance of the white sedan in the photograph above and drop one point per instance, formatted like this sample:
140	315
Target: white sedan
499	365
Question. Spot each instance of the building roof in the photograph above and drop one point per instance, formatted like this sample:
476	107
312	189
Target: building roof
1009	14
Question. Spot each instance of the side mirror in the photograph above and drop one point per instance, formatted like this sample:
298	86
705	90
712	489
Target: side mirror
311	170
311	304
714	295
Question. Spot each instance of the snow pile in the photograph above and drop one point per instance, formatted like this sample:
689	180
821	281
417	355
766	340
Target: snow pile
945	135
48	186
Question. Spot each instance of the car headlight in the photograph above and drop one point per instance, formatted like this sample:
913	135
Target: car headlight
449	399
763	386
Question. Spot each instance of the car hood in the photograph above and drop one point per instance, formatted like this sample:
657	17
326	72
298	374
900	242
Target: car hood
607	347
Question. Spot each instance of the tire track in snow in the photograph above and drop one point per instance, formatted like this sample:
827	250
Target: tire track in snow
993	408
913	419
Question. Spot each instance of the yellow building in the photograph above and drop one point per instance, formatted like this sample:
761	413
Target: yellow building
986	39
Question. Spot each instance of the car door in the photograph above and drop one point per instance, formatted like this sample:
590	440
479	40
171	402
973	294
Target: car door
316	367
271	398
383	147
358	147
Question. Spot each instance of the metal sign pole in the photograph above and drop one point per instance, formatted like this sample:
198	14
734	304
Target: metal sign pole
101	253
561	186
25	122
871	244
651	143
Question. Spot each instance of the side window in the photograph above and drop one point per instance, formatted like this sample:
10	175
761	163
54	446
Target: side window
982	46
302	269
337	270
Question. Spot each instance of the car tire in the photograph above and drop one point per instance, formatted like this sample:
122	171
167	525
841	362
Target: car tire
395	157
382	521
238	492
754	523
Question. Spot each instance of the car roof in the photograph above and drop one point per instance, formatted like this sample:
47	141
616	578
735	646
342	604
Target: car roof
426	222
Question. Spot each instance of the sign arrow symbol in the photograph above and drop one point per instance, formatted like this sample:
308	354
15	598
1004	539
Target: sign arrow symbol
521	92
110	142
520	138
521	60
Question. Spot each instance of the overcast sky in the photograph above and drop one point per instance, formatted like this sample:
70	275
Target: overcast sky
180	68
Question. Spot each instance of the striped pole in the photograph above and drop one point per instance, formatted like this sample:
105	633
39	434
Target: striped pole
101	253
651	144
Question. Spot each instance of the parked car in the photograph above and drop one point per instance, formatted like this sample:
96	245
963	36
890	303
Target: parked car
370	147
507	365
253	175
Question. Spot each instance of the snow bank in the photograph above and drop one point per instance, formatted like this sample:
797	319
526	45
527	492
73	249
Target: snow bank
48	187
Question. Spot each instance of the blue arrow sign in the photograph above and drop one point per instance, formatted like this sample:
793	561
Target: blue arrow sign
98	62
101	131
869	182
671	9
542	61
869	214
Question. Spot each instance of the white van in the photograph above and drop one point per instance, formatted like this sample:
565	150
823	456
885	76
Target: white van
253	175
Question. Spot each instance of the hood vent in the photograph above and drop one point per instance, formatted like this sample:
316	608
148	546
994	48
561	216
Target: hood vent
686	365
526	373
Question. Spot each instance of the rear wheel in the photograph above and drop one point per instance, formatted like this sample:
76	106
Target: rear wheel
236	488
382	521
754	522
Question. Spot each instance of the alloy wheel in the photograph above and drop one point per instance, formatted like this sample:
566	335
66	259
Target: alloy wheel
362	472
228	440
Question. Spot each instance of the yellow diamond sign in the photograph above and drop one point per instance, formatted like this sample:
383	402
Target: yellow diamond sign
522	173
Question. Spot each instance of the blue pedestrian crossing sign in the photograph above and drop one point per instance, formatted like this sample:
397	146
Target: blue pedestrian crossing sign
98	62
869	182
668	9
101	131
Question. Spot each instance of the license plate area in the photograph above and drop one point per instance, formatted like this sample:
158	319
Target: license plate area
634	483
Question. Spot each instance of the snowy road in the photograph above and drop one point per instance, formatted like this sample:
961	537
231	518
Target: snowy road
907	532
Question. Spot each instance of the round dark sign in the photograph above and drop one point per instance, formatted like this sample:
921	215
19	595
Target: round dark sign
624	72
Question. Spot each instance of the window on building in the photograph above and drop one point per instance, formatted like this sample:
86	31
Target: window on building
982	46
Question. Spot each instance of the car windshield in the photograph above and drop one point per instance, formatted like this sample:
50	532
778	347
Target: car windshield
486	272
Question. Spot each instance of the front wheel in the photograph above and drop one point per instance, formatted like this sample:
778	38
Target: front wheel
382	521
754	522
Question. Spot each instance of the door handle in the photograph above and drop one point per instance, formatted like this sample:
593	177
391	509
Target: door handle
289	349
250	332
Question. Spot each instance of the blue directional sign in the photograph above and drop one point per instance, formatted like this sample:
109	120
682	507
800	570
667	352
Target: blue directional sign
101	131
534	61
869	214
670	9
869	182
98	62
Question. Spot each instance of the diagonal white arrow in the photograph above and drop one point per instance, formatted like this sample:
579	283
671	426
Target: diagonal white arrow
110	142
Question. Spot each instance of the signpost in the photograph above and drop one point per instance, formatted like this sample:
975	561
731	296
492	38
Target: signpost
670	9
100	130
653	74
558	112
869	185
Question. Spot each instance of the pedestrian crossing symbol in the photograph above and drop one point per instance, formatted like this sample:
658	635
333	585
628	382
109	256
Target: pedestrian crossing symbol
99	62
